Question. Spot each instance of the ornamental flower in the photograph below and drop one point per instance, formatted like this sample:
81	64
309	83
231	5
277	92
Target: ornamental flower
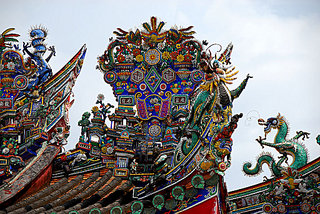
10	65
52	102
100	97
121	58
180	58
63	157
104	149
145	46
136	52
160	45
95	109
291	200
129	58
130	46
5	151
178	46
166	55
174	55
139	58
188	57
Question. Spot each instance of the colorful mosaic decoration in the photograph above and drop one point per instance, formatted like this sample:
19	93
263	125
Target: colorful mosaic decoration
169	142
176	108
295	191
34	105
292	192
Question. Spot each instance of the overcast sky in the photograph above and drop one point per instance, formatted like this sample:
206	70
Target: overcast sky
277	42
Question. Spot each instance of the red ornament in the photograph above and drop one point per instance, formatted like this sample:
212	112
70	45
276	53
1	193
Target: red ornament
63	158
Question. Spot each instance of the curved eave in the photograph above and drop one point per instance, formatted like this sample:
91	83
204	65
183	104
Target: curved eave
60	76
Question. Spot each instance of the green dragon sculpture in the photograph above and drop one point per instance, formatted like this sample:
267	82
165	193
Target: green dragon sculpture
213	98
285	147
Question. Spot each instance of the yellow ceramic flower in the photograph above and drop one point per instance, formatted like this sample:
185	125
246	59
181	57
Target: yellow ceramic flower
139	58
180	58
104	149
178	46
166	55
95	108
130	46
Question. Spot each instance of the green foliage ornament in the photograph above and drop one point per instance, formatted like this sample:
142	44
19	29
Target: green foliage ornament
178	193
198	182
116	210
137	207
158	202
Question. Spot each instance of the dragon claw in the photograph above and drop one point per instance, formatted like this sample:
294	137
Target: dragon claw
52	49
259	140
302	134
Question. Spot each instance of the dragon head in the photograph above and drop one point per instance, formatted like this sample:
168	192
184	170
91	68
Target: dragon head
272	122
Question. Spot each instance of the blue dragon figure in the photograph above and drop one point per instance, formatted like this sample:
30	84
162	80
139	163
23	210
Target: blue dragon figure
44	71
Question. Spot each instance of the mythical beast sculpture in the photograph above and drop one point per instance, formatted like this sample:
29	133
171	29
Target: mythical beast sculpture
213	97
283	145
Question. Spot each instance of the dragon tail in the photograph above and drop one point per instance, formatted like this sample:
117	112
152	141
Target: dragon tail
264	158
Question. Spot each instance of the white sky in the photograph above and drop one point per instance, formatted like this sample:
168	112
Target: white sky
277	42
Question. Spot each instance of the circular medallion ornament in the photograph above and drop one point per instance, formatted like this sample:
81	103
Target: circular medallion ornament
143	87
137	207
198	182
116	210
222	166
110	77
178	193
152	56
267	208
281	208
109	150
154	130
158	202
197	76
104	149
318	207
305	207
21	82
95	211
163	86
